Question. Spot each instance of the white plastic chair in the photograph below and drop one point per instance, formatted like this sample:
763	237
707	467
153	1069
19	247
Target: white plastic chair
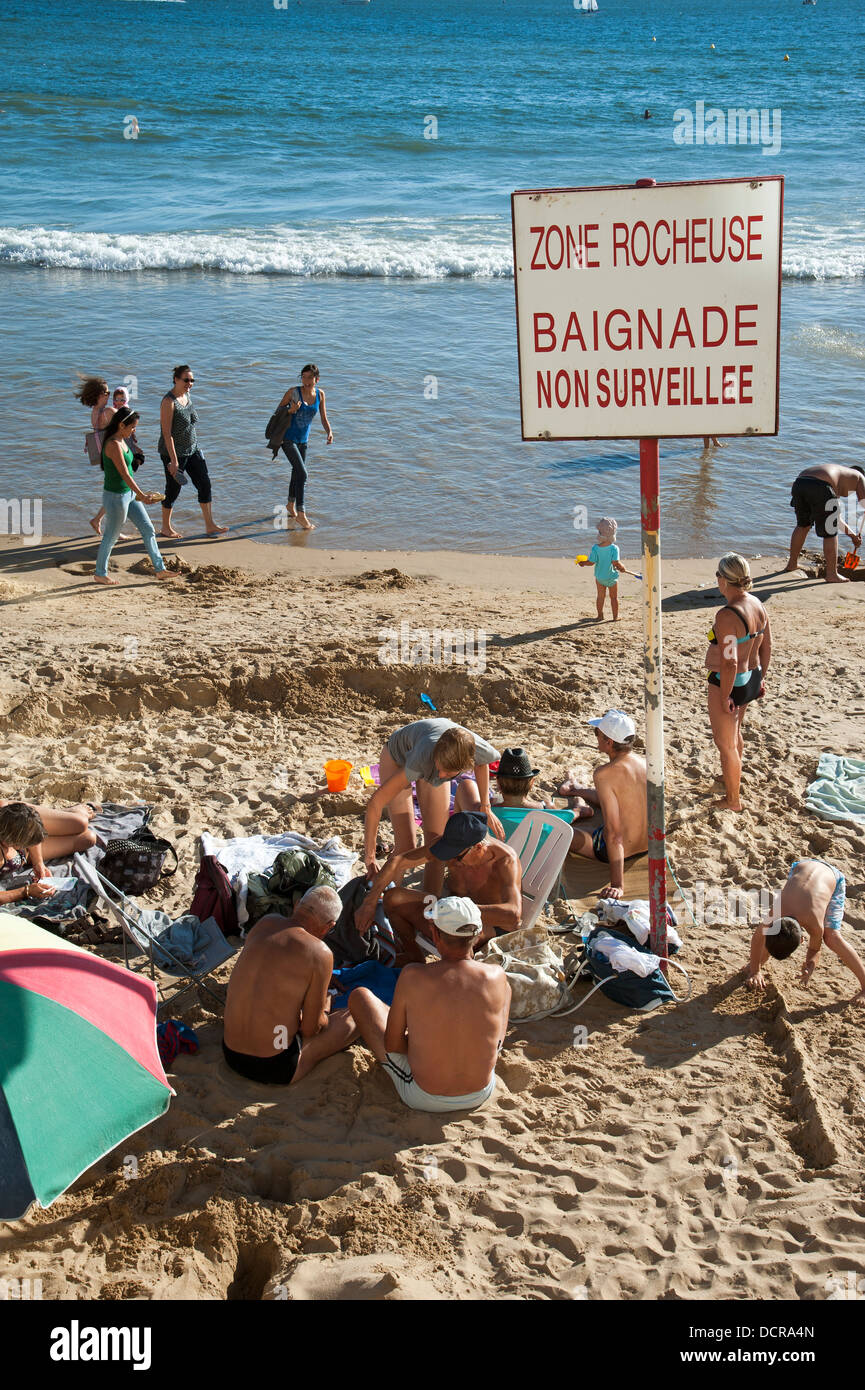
542	868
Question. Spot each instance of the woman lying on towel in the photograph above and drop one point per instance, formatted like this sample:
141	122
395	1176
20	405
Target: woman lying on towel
429	752
32	834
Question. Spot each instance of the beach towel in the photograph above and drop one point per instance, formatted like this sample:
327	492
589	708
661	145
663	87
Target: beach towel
838	791
56	914
255	854
370	974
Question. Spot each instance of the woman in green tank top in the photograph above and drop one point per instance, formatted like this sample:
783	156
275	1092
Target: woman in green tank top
122	497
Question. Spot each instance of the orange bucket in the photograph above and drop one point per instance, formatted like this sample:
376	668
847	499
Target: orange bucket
337	773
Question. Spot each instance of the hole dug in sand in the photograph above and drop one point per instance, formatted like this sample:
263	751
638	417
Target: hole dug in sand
255	1268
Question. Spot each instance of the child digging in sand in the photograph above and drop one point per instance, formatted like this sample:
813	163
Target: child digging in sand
812	900
604	555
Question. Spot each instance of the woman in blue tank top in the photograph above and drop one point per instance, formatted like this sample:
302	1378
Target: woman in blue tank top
304	403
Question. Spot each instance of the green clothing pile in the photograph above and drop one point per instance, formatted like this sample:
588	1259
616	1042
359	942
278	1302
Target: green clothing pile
294	872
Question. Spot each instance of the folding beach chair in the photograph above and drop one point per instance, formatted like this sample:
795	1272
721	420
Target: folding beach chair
542	864
138	939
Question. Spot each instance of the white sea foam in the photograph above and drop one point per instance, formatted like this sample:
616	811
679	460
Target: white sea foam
469	248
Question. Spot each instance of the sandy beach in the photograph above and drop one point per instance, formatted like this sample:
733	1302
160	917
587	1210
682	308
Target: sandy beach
710	1150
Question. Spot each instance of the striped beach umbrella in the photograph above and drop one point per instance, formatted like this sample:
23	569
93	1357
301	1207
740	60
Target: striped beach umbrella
79	1065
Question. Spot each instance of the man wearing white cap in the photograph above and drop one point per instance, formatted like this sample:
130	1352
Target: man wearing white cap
619	792
440	1038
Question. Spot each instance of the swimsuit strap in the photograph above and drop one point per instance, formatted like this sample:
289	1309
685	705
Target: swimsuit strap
745	623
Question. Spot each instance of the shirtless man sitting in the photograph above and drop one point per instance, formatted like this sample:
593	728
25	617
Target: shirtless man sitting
479	867
277	1024
620	793
440	1038
815	498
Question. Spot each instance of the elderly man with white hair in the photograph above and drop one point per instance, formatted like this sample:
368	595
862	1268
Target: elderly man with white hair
277	1020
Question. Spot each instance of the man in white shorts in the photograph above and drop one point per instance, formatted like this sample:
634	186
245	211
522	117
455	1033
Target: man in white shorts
440	1038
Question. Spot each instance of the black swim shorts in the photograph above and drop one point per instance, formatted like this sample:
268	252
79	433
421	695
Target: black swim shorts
277	1070
743	694
815	503
599	845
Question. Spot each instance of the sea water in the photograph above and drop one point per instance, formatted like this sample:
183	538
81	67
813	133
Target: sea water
249	186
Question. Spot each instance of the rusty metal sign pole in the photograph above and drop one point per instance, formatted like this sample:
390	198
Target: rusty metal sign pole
650	519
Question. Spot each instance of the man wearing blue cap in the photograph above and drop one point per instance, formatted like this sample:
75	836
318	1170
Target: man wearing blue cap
478	867
440	1038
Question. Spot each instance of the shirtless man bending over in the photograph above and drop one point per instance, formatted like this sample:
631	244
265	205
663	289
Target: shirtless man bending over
479	867
276	1021
440	1038
620	793
815	498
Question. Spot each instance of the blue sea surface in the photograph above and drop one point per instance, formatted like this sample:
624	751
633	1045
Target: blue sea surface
282	203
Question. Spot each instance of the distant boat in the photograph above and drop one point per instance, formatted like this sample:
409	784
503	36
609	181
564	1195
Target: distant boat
590	6
809	2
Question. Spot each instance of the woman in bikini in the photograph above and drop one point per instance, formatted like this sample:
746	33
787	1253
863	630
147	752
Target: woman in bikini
737	658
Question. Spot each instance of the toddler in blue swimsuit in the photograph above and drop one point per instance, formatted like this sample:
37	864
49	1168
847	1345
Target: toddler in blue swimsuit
604	555
811	901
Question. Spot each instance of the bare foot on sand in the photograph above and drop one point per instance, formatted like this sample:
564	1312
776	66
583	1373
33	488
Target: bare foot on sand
167	574
790	569
171	535
837	579
725	805
305	521
103	579
96	524
217	531
859	998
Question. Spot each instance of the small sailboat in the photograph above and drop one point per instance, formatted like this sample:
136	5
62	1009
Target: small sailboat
588	6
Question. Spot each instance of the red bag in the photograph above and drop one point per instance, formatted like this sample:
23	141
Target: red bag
214	896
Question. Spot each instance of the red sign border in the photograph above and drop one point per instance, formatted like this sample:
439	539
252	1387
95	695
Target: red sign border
615	188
